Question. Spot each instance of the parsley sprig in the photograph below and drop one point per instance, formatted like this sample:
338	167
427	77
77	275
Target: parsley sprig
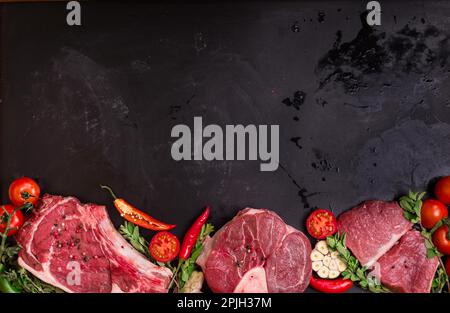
131	233
412	205
355	271
439	281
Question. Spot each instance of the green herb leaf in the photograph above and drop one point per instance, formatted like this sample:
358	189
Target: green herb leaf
188	266
25	282
409	216
412	205
331	242
136	232
440	280
406	205
421	195
428	244
131	233
431	253
355	271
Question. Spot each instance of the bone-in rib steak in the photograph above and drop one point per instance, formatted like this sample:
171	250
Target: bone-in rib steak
257	252
75	247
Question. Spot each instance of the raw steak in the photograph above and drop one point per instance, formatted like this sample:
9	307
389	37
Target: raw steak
65	238
257	252
406	268
372	228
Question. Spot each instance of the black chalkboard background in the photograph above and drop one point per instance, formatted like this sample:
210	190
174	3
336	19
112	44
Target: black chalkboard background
363	112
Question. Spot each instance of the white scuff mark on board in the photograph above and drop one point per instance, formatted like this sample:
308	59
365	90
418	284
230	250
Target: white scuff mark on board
199	42
140	66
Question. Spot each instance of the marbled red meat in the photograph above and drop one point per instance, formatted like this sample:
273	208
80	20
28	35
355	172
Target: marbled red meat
406	268
257	252
372	228
65	237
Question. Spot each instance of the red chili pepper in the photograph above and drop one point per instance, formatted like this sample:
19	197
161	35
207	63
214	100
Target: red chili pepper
135	216
191	236
338	285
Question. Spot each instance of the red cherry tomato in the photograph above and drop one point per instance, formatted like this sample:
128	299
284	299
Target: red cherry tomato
164	247
447	266
16	221
441	240
442	190
432	212
321	224
23	190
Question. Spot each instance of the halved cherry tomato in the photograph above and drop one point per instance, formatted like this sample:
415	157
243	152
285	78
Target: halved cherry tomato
23	190
441	239
321	224
164	246
442	190
17	219
432	212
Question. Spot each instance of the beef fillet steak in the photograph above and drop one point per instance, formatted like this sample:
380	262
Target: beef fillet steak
406	268
75	247
372	228
257	252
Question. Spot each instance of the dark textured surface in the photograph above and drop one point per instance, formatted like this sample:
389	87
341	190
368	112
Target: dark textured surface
363	112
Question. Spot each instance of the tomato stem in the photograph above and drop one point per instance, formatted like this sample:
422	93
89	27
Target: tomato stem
26	195
110	191
444	221
7	228
441	263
